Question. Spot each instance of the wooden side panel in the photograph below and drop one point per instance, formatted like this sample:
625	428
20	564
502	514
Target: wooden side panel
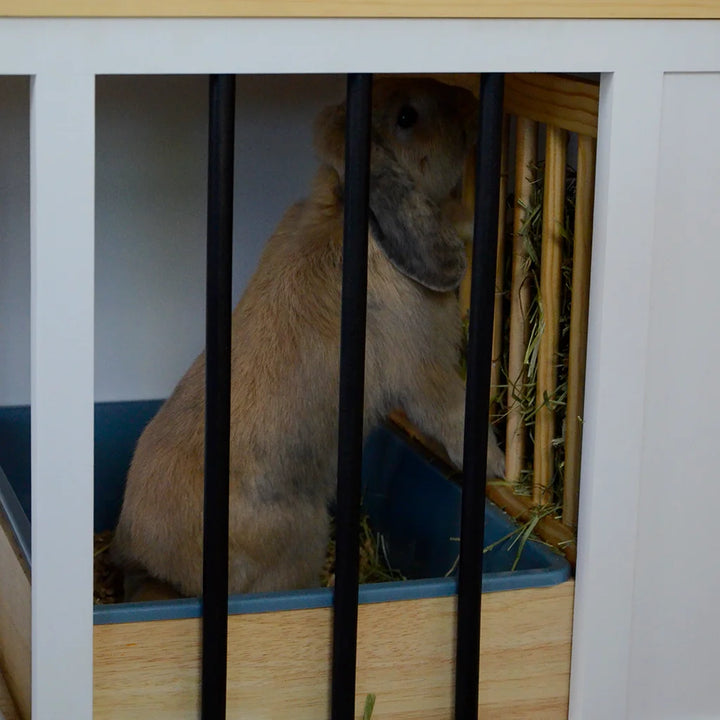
8	709
14	622
278	663
567	103
147	669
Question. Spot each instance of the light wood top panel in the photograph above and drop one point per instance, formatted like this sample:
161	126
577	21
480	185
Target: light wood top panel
365	8
567	103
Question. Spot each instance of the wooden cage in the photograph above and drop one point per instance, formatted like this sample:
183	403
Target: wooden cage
281	659
644	631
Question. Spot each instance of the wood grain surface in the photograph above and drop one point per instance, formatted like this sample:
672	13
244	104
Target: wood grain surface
564	102
14	624
278	663
364	8
520	298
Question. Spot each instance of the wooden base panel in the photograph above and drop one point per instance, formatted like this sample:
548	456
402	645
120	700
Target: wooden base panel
278	663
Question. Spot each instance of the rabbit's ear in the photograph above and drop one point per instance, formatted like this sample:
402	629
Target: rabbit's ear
410	228
407	225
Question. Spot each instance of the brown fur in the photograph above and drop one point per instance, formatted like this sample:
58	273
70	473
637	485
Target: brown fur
285	367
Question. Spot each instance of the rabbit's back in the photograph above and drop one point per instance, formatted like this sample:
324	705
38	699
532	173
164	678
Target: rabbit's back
282	457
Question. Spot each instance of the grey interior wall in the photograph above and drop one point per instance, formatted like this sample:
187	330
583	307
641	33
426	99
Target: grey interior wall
14	240
151	139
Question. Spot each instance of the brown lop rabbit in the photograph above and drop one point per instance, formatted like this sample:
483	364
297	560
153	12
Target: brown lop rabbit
285	356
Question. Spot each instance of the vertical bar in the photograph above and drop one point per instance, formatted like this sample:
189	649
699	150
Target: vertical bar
217	395
468	199
482	300
352	374
525	156
62	196
550	279
579	302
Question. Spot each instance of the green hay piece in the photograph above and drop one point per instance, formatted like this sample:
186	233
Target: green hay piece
374	563
369	706
524	532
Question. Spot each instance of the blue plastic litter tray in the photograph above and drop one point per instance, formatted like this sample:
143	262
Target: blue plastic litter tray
412	499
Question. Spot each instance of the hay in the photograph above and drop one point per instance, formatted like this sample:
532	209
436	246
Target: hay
107	577
514	389
524	393
374	564
524	532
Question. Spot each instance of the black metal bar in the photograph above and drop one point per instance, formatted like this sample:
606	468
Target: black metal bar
352	382
217	395
472	534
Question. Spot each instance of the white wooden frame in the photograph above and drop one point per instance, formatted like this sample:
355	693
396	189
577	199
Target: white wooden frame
64	55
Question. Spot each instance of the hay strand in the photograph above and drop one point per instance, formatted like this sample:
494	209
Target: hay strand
369	706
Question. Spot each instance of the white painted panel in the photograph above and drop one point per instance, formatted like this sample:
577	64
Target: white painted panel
260	45
62	190
676	625
614	401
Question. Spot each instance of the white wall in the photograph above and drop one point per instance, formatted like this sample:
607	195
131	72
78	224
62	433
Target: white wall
675	649
150	216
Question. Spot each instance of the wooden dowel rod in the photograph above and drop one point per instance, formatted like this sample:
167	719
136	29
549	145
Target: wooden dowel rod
497	344
585	189
548	529
525	158
550	279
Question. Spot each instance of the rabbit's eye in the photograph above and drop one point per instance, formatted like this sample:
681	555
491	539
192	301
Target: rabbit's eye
407	117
